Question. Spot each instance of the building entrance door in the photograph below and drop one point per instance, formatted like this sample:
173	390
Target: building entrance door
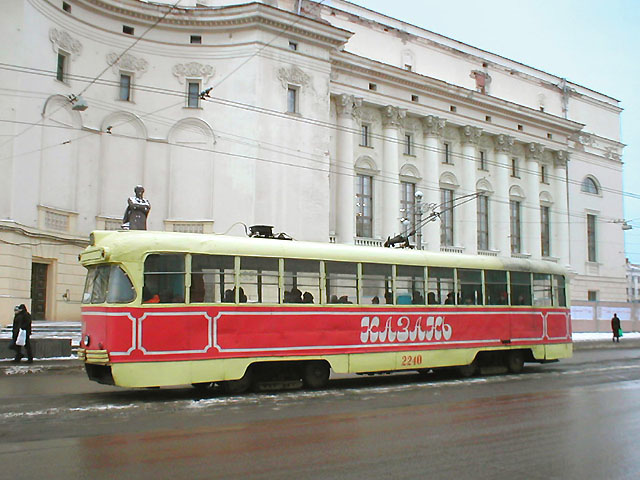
38	290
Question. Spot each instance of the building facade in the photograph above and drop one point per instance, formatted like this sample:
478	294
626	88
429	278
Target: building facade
323	120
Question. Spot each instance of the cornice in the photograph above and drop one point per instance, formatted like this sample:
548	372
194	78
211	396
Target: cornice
234	16
352	63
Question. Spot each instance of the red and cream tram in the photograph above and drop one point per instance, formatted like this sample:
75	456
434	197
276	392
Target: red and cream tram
176	309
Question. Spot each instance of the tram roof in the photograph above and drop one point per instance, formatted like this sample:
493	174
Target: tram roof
133	245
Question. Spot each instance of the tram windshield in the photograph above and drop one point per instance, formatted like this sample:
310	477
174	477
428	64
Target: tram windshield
108	283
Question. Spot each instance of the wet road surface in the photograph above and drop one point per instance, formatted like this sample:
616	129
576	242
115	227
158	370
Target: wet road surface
575	419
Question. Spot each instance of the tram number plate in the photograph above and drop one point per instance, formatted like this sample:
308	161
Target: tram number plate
411	360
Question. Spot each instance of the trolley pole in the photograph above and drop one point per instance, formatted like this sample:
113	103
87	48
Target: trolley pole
418	220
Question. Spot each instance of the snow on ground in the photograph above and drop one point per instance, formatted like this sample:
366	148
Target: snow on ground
595	336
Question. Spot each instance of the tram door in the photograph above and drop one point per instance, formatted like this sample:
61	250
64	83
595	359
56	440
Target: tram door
38	290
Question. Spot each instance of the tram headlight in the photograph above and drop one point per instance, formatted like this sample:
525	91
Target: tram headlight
87	340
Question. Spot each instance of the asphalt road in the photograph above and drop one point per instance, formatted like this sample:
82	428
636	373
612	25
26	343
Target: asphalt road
574	419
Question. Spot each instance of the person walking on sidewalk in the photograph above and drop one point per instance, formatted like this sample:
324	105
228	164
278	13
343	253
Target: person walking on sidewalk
22	321
615	327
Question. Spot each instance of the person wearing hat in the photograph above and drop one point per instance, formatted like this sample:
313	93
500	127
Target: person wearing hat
22	321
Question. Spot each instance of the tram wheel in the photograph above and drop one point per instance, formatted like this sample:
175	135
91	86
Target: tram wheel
315	374
515	361
470	370
241	385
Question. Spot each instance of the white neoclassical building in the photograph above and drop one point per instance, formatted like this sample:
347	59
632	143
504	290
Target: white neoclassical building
323	120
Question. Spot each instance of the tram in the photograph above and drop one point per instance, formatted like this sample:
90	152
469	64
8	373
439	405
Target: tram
166	309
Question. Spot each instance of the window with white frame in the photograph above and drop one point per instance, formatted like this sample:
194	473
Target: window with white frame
292	99
365	135
515	207
589	185
483	222
447	152
408	144
545	231
408	203
364	206
446	217
543	174
591	238
193	93
483	160
125	87
61	67
515	170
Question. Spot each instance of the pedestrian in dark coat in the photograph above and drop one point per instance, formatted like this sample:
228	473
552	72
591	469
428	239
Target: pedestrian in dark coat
615	327
22	321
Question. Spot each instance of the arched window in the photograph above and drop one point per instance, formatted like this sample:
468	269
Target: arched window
589	185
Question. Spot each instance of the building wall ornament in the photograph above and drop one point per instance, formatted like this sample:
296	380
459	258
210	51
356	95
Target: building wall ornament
393	116
433	126
611	154
293	75
128	63
471	135
561	157
347	105
61	40
504	143
534	151
193	70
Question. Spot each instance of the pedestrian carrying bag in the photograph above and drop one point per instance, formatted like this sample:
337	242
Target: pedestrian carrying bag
619	332
22	338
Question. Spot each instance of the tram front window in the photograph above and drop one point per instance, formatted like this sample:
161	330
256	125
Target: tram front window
107	283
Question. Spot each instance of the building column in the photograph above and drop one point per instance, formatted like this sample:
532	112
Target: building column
468	223
391	123
342	171
499	214
532	232
433	128
560	239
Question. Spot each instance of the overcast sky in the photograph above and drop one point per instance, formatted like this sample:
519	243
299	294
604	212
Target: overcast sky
592	43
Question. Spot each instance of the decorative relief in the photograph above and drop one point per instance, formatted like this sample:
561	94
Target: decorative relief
293	75
504	143
483	80
561	158
393	116
611	154
61	40
534	151
347	105
582	138
471	135
412	125
366	115
128	63
193	70
433	126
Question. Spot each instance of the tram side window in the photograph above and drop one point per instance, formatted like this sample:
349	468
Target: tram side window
470	287
441	287
164	278
542	290
520	288
211	277
376	284
301	281
342	282
559	292
495	284
410	284
259	280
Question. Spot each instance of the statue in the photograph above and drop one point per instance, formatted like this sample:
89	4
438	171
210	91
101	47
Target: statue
135	216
